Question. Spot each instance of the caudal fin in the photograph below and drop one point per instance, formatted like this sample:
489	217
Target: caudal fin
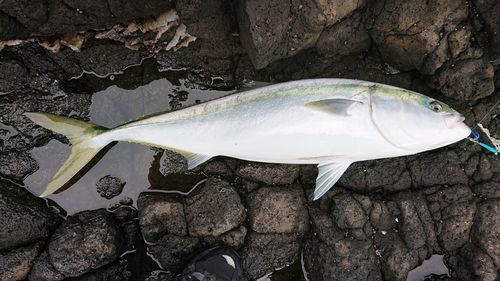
82	136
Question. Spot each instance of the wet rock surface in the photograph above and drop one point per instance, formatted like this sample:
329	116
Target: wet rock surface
25	219
265	252
43	18
278	210
383	218
85	241
214	209
109	186
160	214
16	264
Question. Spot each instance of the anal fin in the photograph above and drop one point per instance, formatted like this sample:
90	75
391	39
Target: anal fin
193	159
328	174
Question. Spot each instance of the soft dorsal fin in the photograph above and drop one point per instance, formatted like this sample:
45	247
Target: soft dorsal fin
328	174
339	107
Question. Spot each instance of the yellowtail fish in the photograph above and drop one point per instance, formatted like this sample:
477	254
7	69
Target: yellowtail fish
328	122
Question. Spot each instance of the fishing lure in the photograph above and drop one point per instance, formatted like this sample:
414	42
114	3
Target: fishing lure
476	140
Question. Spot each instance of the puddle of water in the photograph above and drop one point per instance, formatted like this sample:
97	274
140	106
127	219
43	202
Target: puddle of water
128	161
433	265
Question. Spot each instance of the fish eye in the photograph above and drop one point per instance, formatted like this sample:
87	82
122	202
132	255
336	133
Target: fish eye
436	106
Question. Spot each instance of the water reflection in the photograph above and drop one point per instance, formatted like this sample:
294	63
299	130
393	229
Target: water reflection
127	161
433	265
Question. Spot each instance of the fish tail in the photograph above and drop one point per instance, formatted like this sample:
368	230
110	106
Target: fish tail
82	136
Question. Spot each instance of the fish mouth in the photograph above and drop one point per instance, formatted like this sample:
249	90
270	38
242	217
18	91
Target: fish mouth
452	120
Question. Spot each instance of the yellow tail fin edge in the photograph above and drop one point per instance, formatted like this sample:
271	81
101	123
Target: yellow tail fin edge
81	134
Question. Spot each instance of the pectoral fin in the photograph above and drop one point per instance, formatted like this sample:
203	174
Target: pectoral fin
339	107
328	174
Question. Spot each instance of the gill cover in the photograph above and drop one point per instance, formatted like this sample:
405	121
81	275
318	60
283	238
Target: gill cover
409	120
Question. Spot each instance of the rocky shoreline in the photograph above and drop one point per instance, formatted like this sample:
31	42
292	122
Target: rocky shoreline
382	219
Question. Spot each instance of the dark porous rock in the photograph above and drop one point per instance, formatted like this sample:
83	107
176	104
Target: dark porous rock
333	253
395	257
484	169
408	34
324	227
308	175
291	29
159	214
486	229
207	20
49	18
173	252
213	208
459	40
116	271
453	209
109	186
131	234
126	216
471	263
24	218
487	12
210	59
382	215
264	253
43	72
16	166
466	80
347	259
16	264
437	168
384	175
219	167
43	270
11	28
248	186
278	210
104	57
124	213
415	223
85	241
262	36
272	174
346	37
350	211
14	75
21	134
217	48
233	238
488	189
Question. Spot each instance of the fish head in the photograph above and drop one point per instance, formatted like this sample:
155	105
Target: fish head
415	122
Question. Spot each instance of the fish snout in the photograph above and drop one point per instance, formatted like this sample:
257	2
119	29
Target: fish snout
453	120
